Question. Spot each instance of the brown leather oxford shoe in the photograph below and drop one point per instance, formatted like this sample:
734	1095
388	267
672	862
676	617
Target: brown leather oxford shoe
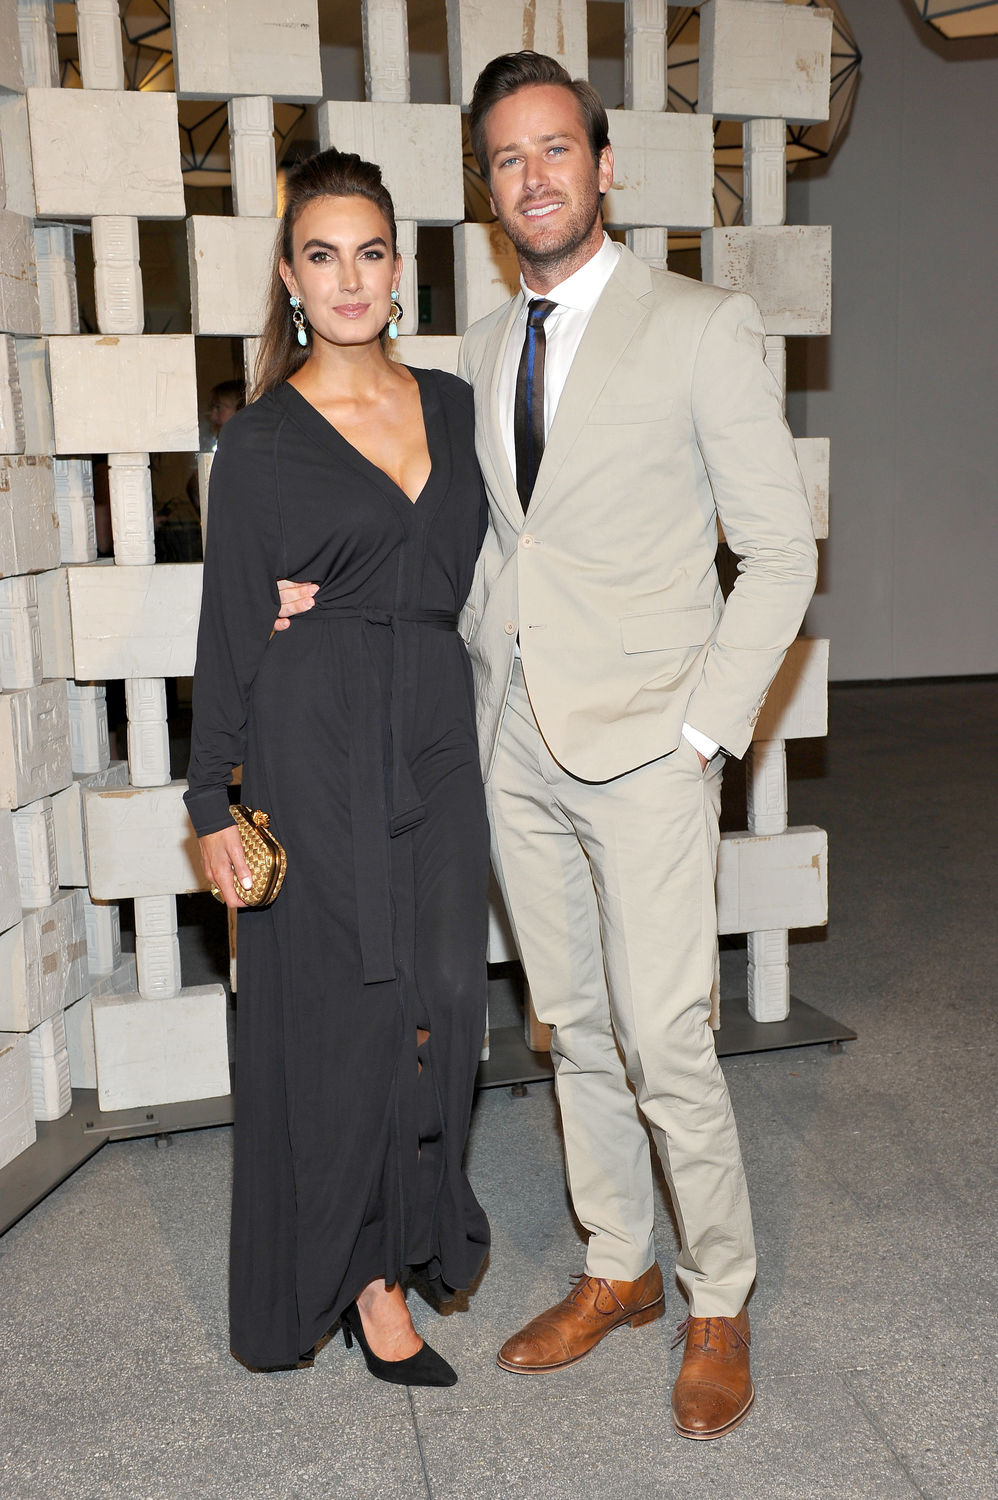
713	1391
574	1326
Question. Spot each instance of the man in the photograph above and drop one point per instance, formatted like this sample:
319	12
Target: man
619	412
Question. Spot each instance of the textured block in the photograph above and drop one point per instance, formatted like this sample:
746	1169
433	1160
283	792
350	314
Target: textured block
55	264
51	1091
772	882
766	786
430	351
230	260
124	394
246	47
36	395
53	613
10	889
74	497
103	926
814	457
67	816
29	522
20	633
663	169
768	975
17	180
11	71
417	145
39	53
34	743
132	527
252	162
135	622
765	171
486	272
79	1022
114	152
478	30
17	1115
88	735
157	947
117	274
19	311
43	963
161	1051
148	732
796	705
34	842
98	28
386	50
140	843
758	59
786	268
11	403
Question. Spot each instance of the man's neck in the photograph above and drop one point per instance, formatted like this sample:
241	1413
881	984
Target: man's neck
543	276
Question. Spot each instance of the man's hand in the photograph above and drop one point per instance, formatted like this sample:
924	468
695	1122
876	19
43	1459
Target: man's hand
225	864
704	762
296	598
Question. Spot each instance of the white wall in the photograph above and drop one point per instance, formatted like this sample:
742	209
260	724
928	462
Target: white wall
907	387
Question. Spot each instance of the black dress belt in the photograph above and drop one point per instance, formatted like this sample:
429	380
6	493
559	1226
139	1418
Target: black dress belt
384	801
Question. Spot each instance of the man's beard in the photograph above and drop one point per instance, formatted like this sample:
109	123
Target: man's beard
562	247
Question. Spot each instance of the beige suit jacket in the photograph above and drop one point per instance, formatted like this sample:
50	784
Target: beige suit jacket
669	419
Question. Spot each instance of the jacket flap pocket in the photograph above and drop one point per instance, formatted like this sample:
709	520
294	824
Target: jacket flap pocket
466	622
667	630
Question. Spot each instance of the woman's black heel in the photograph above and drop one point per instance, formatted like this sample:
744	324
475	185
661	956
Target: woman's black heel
426	1367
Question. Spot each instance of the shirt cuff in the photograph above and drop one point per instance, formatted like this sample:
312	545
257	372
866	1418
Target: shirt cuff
707	747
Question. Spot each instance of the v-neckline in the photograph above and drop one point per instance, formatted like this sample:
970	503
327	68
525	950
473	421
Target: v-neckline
359	457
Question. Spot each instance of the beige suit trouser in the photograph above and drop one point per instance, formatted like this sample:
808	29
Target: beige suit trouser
610	891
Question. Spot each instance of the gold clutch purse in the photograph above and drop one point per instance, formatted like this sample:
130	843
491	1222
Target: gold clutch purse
264	854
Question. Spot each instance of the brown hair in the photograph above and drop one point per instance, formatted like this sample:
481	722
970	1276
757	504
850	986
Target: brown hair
517	70
328	174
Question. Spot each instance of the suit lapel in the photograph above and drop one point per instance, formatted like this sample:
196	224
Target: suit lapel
616	317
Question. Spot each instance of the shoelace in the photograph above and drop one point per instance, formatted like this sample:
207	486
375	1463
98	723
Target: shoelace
580	1277
683	1328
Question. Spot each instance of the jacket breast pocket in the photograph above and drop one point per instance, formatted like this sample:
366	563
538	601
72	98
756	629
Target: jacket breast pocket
668	630
628	413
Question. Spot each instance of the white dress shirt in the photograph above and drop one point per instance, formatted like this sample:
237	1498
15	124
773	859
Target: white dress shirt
575	299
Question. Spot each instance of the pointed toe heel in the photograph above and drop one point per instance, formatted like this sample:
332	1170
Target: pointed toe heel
425	1367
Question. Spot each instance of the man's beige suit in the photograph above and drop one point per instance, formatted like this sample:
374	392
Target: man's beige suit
605	828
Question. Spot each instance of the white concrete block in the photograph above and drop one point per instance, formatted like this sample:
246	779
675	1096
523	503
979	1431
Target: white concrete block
645	27
20	633
650	243
230	260
29	523
766	786
148	732
15	154
386	50
51	1091
765	171
36	395
161	1051
418	147
10	889
79	1021
105	152
430	351
140	843
786	268
772	882
98	28
141	393
251	157
43	963
19	311
88	735
769	975
247	47
11	71
55	263
34	743
776	362
157	947
57	634
406	234
74	498
11	404
17	1114
135	622
117	274
478	30
486	272
796	705
813	455
132	526
67	814
762	60
663	169
39	54
103	925
34	841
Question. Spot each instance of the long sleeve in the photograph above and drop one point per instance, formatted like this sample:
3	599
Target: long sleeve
244	557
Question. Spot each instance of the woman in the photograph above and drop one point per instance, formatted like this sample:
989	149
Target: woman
362	988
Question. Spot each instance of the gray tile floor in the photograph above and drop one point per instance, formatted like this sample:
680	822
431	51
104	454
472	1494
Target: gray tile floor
873	1173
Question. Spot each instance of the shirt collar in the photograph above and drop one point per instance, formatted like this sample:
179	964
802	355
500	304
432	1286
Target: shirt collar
583	288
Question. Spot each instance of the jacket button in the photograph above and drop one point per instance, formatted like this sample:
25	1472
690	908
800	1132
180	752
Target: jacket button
510	627
526	541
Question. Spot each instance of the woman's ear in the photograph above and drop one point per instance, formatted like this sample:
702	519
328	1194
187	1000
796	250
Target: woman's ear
288	277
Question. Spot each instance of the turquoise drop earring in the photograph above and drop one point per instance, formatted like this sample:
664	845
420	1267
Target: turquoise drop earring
298	319
394	314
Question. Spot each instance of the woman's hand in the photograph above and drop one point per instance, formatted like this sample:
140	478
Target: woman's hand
225	864
296	598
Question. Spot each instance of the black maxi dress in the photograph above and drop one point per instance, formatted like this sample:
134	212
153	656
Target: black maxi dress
356	732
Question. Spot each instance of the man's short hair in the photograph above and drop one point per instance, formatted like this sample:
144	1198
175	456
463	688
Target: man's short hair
516	70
